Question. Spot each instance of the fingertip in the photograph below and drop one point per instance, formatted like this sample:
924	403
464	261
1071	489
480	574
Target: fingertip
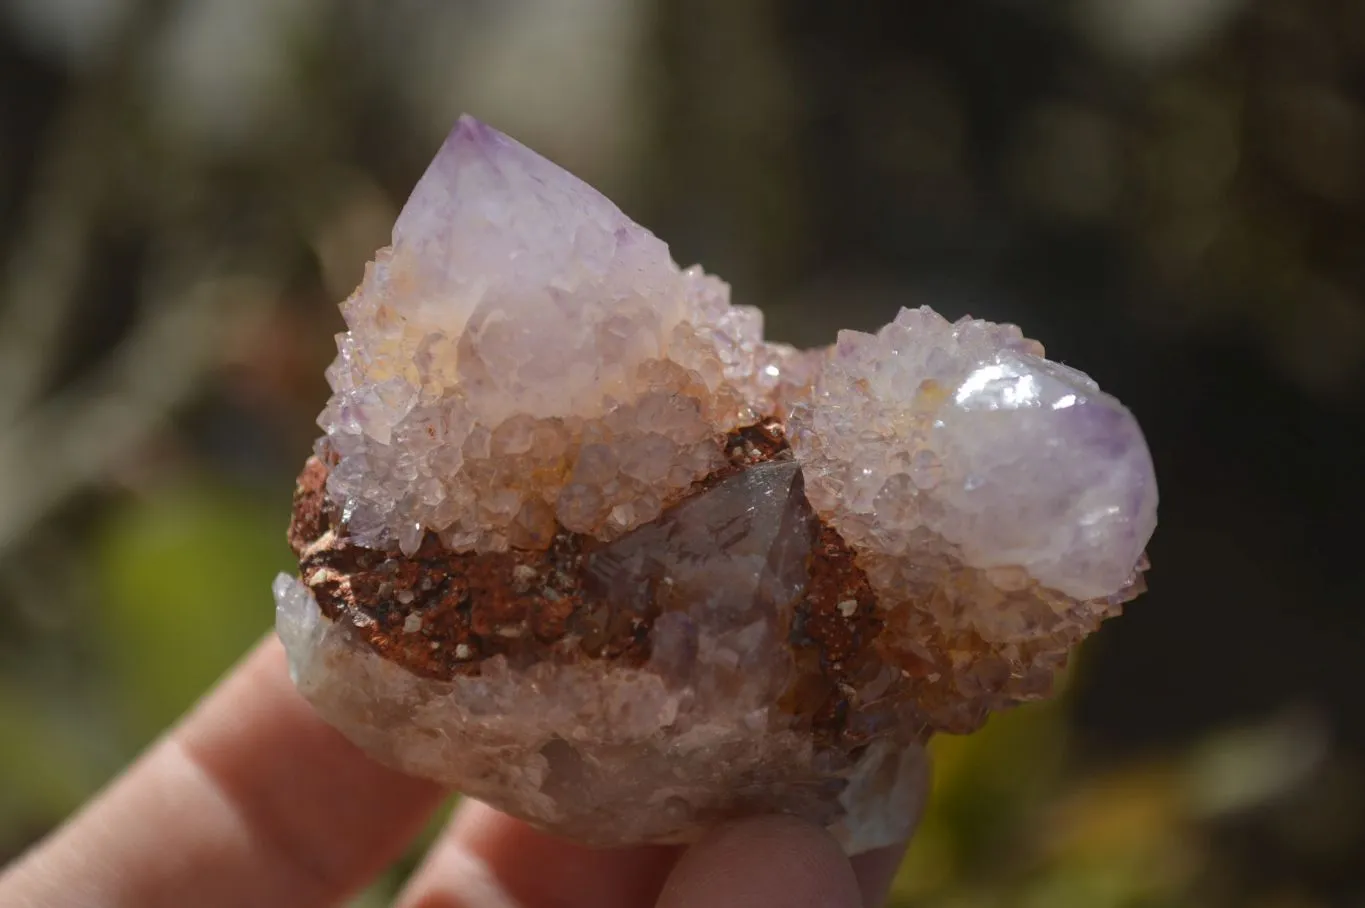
488	859
775	860
251	800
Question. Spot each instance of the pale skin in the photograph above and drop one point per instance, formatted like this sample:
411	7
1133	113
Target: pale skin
251	801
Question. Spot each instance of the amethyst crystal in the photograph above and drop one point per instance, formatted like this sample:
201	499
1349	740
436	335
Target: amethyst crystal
579	542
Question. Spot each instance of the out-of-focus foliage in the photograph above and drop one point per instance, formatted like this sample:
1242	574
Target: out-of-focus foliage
1170	193
178	575
1013	820
181	574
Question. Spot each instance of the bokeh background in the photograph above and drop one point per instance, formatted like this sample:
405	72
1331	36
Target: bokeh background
1169	193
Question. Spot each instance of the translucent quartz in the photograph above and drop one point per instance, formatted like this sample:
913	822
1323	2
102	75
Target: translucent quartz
965	431
532	400
525	353
613	754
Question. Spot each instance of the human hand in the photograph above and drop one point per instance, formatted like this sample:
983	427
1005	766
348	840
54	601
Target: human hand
252	801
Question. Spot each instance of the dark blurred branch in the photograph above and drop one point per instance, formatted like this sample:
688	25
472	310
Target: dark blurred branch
51	446
40	285
74	438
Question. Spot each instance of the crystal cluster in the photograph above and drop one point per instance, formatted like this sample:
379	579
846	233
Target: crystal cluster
579	542
523	355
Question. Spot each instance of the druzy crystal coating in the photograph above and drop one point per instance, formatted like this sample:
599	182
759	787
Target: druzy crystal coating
524	354
579	542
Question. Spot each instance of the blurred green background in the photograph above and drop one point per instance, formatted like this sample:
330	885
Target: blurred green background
1169	193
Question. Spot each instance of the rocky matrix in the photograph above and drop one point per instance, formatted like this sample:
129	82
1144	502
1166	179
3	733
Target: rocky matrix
580	543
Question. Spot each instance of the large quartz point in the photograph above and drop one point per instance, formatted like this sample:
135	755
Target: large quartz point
579	542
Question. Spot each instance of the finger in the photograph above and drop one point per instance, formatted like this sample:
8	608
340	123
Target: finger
487	859
765	861
250	800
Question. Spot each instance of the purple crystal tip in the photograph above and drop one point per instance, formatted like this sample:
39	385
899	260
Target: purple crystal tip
473	132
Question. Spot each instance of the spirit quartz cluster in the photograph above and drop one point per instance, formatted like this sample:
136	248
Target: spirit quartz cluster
580	543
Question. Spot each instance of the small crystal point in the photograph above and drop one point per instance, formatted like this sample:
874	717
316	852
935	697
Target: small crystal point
734	560
580	543
489	211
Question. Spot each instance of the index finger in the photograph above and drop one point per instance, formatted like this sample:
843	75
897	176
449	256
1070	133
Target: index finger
487	859
251	800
